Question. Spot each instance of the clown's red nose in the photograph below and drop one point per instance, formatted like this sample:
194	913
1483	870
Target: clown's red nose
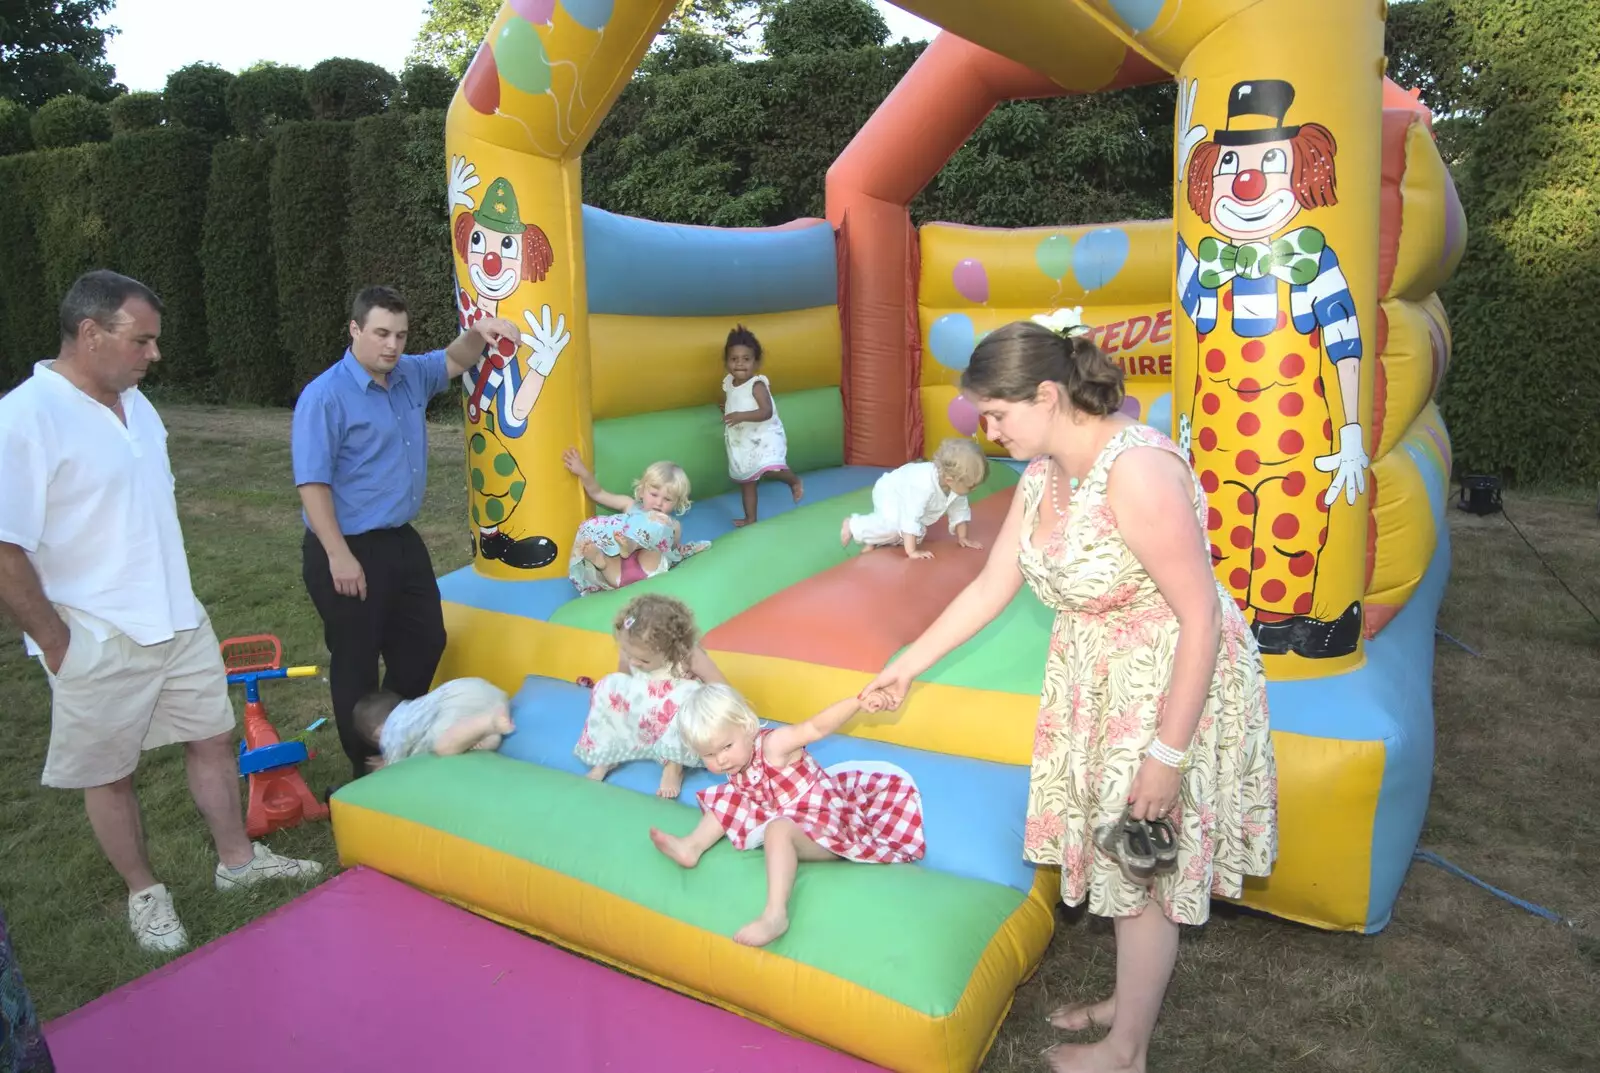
1247	186
491	261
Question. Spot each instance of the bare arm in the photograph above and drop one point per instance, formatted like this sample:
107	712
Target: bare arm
701	667
1150	494
466	733
762	411
465	350
784	742
591	487
348	577
23	594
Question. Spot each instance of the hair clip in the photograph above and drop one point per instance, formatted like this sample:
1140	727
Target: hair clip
1067	323
627	623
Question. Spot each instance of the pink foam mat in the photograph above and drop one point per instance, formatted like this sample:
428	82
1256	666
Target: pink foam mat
364	974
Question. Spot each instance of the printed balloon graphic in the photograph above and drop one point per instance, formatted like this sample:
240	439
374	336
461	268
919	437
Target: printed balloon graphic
590	14
1130	407
520	54
481	86
963	415
1159	416
1053	255
1140	15
951	339
537	12
971	281
1099	256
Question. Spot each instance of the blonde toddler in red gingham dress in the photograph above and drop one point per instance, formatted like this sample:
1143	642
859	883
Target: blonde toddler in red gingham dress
778	797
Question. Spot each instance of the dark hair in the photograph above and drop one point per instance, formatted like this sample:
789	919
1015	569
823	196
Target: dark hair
370	712
1013	361
98	296
377	297
742	336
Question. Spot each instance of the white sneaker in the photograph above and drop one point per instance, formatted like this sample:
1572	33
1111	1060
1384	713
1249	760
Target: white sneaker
154	922
265	865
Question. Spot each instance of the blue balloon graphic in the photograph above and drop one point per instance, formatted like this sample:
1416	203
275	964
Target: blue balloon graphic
591	14
951	340
1159	416
1140	15
1099	256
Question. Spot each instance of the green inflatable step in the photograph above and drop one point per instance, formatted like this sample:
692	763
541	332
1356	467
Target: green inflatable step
911	934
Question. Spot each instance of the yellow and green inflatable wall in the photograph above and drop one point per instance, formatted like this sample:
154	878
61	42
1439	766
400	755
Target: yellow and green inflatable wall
1284	325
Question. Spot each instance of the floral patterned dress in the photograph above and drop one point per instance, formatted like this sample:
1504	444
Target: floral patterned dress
632	716
1105	685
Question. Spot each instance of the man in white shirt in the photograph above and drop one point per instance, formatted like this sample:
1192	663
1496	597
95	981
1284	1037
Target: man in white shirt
93	569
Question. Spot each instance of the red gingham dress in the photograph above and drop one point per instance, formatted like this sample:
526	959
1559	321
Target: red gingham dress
868	812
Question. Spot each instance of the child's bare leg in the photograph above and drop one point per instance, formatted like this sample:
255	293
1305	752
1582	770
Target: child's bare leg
747	496
688	849
797	487
786	847
648	561
610	566
844	534
671	780
600	771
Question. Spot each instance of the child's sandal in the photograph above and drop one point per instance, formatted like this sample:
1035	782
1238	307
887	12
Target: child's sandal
1164	842
1128	843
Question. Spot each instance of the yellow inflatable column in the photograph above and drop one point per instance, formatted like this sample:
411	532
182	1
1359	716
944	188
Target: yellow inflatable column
529	103
1276	208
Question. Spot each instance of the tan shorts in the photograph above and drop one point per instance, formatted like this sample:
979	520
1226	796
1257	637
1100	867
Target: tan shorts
113	699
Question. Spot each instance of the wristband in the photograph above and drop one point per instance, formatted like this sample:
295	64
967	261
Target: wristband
1162	753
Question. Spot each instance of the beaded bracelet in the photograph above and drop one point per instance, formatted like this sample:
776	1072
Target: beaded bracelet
1163	753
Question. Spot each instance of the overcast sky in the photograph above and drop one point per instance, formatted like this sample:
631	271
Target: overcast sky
159	36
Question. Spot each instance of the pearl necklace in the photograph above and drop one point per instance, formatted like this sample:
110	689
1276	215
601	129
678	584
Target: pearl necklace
1055	491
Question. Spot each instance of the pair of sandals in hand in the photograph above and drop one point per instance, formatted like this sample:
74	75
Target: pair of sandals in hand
1142	849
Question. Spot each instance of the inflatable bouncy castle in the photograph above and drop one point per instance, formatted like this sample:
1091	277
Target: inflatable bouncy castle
1283	325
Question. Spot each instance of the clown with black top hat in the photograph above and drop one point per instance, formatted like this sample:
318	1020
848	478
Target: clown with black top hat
1270	304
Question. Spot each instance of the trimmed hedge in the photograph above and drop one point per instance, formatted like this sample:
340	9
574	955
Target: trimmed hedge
63	122
260	99
197	97
240	274
309	197
16	128
137	111
152	195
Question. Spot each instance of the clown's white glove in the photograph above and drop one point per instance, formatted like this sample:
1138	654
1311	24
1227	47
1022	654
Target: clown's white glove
1348	465
546	342
1192	134
462	180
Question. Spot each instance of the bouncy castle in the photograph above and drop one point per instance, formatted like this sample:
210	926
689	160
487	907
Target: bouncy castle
1283	325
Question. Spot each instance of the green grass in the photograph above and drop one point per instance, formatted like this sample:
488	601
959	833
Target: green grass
1461	981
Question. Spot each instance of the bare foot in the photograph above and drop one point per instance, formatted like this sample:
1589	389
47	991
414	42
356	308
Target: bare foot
762	930
594	555
740	523
676	849
1084	1015
844	534
1089	1058
600	771
671	781
798	488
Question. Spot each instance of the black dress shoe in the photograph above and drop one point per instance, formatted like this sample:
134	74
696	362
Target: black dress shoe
529	553
1310	638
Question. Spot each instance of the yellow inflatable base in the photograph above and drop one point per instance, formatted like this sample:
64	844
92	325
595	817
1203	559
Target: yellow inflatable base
751	982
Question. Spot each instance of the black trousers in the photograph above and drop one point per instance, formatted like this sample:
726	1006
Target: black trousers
400	620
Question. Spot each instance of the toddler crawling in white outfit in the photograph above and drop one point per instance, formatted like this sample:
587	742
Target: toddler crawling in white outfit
907	500
459	716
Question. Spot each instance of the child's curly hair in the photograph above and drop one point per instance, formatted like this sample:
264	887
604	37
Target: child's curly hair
662	624
742	336
670	478
962	461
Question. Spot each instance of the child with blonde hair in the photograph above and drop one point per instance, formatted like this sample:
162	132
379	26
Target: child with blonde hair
907	500
752	431
641	540
462	715
632	710
777	796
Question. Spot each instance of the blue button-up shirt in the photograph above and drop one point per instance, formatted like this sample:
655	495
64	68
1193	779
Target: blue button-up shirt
369	443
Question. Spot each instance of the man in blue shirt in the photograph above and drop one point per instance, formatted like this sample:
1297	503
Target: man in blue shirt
360	448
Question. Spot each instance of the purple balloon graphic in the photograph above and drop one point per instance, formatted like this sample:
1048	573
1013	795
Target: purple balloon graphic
972	282
537	12
963	416
1130	406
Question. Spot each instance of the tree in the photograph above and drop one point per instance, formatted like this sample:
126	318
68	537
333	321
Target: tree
452	32
197	97
62	122
807	27
266	95
349	89
426	85
49	48
16	128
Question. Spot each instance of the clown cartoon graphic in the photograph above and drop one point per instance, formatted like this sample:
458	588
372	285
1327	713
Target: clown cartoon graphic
502	253
1272	280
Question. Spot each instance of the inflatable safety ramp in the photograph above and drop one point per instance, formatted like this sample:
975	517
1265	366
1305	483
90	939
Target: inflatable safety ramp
911	967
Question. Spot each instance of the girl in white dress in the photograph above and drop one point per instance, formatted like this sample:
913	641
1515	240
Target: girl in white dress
757	446
632	712
907	500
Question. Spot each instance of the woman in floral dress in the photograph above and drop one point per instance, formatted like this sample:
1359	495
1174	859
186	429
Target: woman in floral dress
1154	698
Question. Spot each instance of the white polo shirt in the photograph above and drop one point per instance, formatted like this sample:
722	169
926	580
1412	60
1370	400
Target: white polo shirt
91	502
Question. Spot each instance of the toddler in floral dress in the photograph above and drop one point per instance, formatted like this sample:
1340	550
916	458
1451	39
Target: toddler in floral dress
757	444
777	796
642	540
632	710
